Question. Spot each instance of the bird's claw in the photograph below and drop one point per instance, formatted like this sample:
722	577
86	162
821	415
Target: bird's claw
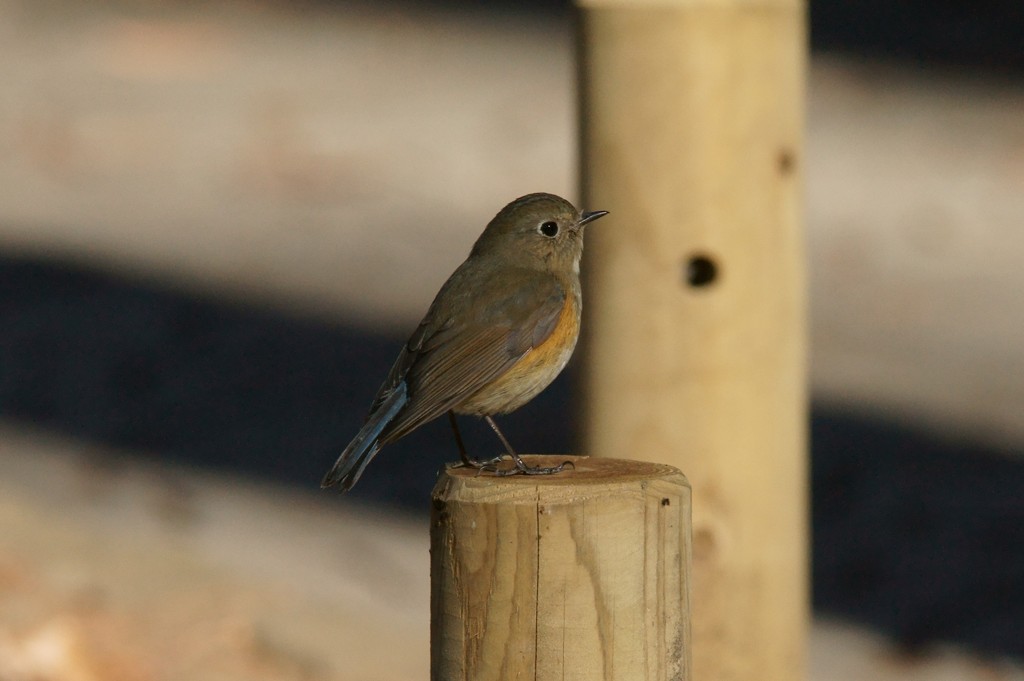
520	468
488	465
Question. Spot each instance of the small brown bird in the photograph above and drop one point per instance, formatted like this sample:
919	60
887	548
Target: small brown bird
498	332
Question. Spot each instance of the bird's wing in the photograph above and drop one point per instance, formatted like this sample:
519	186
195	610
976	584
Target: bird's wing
473	333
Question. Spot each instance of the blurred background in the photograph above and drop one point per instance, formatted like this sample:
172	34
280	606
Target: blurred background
219	221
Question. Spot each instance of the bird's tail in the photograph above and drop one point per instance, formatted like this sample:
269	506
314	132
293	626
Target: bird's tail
366	444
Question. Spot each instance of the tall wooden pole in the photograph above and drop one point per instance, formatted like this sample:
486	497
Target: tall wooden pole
692	116
577	576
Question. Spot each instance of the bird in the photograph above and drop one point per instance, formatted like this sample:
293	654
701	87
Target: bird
498	332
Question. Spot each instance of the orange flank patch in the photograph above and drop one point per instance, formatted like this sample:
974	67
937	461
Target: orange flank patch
562	339
534	371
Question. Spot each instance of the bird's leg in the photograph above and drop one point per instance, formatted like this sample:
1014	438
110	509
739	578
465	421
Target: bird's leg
520	465
458	439
466	459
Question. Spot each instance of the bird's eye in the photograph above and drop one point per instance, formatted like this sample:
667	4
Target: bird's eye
549	228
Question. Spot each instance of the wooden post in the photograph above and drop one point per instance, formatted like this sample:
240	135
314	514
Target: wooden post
581	575
695	305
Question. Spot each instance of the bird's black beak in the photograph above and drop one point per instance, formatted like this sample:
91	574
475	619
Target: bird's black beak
592	215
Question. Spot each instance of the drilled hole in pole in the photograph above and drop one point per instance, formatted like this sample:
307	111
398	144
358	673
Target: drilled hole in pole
700	271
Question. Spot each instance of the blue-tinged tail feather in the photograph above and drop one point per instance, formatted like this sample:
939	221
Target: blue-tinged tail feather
365	445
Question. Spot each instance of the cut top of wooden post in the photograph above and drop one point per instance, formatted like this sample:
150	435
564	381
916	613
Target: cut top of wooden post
585	476
581	574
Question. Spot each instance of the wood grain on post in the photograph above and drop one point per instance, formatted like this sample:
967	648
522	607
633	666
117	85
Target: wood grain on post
695	320
581	575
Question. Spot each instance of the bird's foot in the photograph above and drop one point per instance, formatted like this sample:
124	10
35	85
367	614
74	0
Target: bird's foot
488	465
520	467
